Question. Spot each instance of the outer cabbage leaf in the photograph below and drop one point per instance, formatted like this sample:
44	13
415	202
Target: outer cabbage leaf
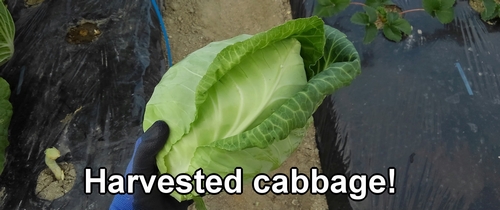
7	32
336	69
5	117
246	101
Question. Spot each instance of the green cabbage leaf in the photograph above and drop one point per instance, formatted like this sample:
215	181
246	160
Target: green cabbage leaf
5	117
7	32
247	101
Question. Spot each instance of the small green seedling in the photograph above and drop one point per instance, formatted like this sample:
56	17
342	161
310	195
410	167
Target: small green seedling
386	16
51	154
489	9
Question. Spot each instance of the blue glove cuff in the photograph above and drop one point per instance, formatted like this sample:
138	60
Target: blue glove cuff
125	201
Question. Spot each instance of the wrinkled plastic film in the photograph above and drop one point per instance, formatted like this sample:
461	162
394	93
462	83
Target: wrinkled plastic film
428	106
85	99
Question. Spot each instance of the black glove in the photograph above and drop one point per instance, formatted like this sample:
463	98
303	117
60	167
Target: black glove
144	162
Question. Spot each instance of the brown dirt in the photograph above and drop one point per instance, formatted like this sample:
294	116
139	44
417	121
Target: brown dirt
192	24
49	188
83	33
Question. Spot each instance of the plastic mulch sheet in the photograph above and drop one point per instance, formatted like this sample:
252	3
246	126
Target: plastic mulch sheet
80	78
429	106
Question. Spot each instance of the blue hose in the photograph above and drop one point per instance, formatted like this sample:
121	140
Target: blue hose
165	35
464	78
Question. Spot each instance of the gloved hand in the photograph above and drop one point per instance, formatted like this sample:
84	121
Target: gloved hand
144	162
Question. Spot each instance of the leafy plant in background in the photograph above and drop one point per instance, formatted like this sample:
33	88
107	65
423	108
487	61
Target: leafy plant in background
489	9
386	16
247	101
7	31
391	23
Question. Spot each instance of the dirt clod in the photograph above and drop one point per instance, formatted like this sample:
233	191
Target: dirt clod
31	3
49	188
83	33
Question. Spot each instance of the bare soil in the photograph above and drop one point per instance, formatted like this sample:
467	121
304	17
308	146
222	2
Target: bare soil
49	188
192	24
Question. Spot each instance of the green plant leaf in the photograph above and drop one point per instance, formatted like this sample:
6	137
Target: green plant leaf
446	15
403	25
5	117
490	8
339	64
392	16
360	19
441	9
372	14
371	32
445	4
392	33
381	11
430	6
339	61
327	8
395	26
377	3
7	32
199	203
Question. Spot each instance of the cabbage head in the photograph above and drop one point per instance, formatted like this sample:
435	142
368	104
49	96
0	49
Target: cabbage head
247	101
